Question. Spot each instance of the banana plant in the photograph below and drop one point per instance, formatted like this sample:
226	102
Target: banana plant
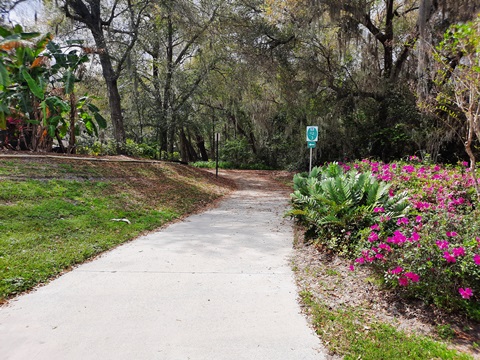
37	83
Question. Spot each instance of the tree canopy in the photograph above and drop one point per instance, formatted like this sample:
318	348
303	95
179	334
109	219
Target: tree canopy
174	73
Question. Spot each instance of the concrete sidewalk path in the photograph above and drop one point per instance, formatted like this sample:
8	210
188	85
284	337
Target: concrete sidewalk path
215	286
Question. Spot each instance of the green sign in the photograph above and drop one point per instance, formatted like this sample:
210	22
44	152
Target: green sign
312	133
311	144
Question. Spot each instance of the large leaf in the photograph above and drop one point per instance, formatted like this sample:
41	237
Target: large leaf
102	123
42	43
43	106
69	79
57	104
33	85
30	35
4	32
12	42
54	121
62	130
51	130
93	108
91	128
18	29
4	76
53	48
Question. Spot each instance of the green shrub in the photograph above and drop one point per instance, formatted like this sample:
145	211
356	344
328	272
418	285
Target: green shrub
337	204
96	148
140	150
237	151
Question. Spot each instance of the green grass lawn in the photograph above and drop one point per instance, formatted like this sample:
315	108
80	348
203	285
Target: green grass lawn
58	213
346	332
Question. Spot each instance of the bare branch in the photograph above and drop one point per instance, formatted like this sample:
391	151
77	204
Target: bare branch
134	36
195	37
112	15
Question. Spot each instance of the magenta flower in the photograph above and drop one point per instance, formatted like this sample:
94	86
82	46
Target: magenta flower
373	237
402	281
378	209
415	237
385	247
398	238
418	219
352	268
459	251
465	163
401	221
375	227
442	244
360	260
422	205
476	258
465	293
397	270
379	256
408	169
449	257
451	233
412	276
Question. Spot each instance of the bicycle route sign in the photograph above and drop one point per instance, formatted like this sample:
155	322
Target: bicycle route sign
312	133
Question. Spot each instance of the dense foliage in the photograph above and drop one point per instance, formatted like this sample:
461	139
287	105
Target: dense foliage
428	248
335	203
37	99
173	74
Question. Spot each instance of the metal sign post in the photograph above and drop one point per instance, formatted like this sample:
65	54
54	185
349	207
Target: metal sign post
310	168
312	138
217	139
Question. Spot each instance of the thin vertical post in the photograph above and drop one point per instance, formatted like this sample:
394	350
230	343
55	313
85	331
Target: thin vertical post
217	135
310	168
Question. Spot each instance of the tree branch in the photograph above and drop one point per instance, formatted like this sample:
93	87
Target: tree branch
195	37
404	55
112	15
134	36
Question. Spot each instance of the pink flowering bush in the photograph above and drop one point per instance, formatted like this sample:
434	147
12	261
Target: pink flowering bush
416	224
432	253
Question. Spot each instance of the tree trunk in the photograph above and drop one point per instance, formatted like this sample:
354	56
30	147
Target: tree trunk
388	42
114	99
161	126
468	149
166	106
187	151
91	16
201	147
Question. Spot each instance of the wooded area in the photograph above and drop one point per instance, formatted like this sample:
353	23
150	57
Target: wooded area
379	77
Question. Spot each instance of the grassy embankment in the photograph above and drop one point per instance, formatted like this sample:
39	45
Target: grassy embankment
55	213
